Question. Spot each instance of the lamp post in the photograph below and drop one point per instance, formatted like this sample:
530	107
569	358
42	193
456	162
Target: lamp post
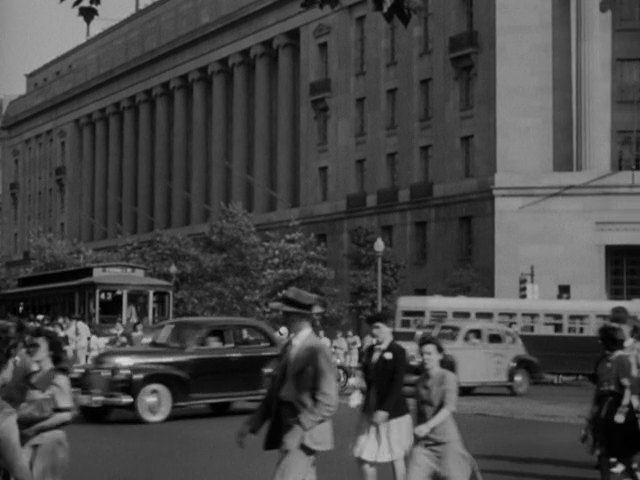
173	270
378	247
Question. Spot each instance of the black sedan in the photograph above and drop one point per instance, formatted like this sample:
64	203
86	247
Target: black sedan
190	361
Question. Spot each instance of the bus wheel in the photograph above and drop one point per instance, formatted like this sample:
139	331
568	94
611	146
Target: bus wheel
154	403
520	381
95	414
467	390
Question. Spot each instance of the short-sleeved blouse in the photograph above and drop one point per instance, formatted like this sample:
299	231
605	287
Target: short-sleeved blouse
432	395
614	372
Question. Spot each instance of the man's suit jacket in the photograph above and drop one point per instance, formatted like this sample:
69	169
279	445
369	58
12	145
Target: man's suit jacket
385	380
310	382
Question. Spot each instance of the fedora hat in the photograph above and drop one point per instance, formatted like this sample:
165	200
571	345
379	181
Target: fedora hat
296	300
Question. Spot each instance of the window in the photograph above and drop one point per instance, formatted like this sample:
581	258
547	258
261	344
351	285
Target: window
16	172
50	202
468	14
321	239
61	198
14	205
473	336
419	291
63	152
425	99
420	229
323	176
552	323
628	13
386	232
577	324
466	85
461	315
62	228
391	35
427	40
495	337
628	147
360	45
392	119
467	155
360	176
214	339
628	79
529	322
323	60
361	118
425	163
249	337
392	170
466	238
321	110
623	272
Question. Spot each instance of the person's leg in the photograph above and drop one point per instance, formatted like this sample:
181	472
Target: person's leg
297	464
399	469
604	465
421	464
368	470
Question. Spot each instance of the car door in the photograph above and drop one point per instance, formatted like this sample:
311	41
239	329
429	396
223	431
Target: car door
470	357
254	349
212	363
496	356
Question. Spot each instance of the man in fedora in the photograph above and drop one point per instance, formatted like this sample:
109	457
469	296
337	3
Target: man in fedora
303	394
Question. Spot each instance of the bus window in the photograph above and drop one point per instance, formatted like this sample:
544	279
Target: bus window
508	319
552	323
484	316
529	322
578	324
438	316
461	315
411	319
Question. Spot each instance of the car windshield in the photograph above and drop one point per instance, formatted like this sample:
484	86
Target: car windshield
448	333
176	335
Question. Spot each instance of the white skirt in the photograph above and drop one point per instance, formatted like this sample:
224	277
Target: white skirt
386	442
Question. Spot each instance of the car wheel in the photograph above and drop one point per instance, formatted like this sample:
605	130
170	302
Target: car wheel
154	403
95	414
520	382
467	390
219	408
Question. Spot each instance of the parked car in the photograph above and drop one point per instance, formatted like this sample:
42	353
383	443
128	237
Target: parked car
485	354
189	361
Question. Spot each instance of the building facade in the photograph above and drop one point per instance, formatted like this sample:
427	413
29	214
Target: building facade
492	134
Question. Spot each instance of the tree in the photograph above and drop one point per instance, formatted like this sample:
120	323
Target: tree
390	9
362	262
87	11
466	280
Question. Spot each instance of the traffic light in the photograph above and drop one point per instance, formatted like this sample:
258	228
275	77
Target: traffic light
523	285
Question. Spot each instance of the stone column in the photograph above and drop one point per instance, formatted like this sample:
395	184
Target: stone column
145	146
161	159
100	177
287	121
179	158
73	186
219	131
87	178
128	167
114	174
593	86
199	150
262	143
239	62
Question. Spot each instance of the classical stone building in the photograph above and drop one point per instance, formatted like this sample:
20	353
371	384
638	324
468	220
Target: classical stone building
486	132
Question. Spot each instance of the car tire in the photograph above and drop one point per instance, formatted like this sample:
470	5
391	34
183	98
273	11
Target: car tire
467	390
220	408
520	381
95	414
153	403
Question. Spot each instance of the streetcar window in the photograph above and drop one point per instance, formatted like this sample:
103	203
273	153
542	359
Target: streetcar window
577	324
463	315
552	323
508	319
529	322
484	315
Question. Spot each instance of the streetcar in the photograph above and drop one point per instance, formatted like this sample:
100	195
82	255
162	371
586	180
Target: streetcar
562	334
100	295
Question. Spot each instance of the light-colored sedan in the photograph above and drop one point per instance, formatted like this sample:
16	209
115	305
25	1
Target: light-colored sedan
485	354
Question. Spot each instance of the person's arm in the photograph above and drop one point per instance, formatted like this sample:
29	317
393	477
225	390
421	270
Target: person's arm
63	407
11	453
326	393
448	407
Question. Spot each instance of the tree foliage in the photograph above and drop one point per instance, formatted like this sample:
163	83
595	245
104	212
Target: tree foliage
363	275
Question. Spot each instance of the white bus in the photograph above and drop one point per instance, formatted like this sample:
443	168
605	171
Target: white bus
562	334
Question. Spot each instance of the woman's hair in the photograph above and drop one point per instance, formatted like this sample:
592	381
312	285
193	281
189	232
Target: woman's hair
56	348
611	337
8	346
429	340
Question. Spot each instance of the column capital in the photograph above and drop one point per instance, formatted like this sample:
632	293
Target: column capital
196	76
261	49
284	40
142	97
97	115
238	59
126	104
159	90
112	110
84	120
219	66
177	83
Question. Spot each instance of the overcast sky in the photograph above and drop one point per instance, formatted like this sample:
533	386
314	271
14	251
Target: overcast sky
32	32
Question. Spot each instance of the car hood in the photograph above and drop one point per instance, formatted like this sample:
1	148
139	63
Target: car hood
134	356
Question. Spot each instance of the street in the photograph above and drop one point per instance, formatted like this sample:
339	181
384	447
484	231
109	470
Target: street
193	444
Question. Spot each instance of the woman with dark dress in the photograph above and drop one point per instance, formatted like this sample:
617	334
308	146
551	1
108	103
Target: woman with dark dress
612	421
385	428
438	451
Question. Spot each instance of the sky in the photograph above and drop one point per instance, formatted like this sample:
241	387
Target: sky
32	32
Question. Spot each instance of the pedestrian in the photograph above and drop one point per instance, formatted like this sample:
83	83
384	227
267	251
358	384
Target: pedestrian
438	451
46	445
353	350
13	463
303	395
324	339
137	335
385	429
340	347
78	333
612	422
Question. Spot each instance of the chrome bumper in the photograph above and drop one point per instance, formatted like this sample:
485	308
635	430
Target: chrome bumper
97	400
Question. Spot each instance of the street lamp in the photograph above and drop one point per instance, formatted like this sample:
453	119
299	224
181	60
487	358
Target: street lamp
378	247
173	270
